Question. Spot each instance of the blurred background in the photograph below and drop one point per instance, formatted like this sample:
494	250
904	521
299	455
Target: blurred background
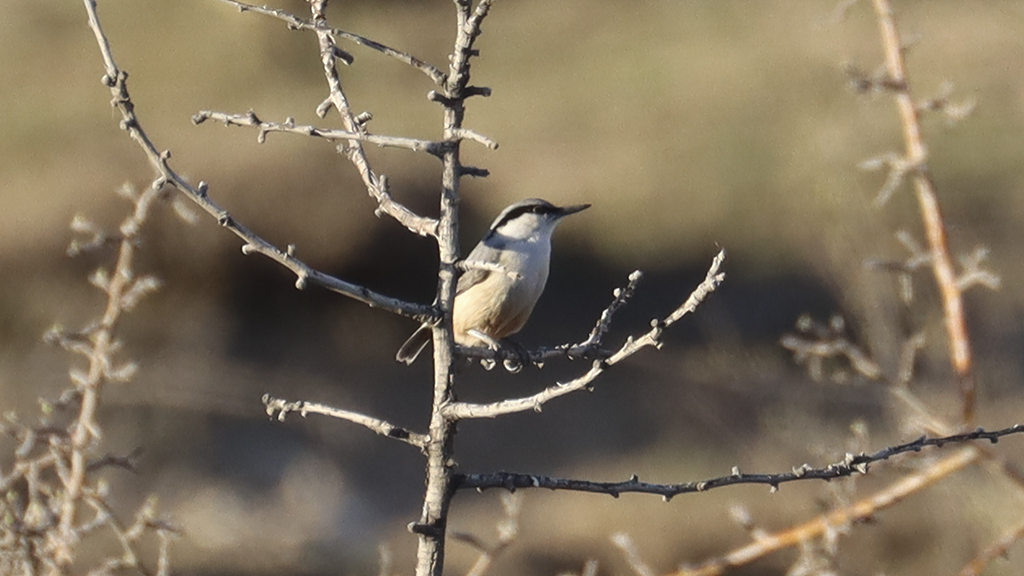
689	125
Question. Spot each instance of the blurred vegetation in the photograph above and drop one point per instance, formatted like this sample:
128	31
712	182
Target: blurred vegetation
689	125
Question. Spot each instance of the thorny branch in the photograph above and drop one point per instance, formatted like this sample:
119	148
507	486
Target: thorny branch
913	165
288	126
454	411
923	418
54	501
592	348
931	214
464	410
859	511
296	23
815	342
117	81
102	344
440	451
448	412
850	465
279	409
621	297
376	184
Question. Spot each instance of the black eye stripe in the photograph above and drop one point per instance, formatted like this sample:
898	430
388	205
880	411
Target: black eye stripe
535	206
533	209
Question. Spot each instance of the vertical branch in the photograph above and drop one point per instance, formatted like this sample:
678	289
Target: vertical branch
440	447
85	430
375	184
931	215
440	450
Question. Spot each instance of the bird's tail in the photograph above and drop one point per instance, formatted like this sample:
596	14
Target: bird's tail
414	345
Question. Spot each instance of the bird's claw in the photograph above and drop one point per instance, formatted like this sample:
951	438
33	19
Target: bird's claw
521	359
515	364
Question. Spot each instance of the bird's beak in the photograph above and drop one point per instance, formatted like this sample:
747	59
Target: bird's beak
566	210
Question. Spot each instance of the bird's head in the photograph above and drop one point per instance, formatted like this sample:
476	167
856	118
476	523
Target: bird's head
532	217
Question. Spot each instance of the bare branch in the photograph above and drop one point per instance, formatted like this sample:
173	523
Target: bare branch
376	185
462	410
908	357
101	346
296	23
820	525
60	502
430	528
620	297
116	79
817	342
279	409
431	147
850	465
975	274
935	425
931	215
953	112
591	348
897	166
476	137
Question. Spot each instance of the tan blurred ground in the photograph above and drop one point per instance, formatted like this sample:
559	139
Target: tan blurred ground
689	125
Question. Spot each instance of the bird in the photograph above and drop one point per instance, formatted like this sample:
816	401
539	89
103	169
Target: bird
504	277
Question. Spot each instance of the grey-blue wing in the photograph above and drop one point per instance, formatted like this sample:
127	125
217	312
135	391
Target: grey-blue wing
473	276
470	278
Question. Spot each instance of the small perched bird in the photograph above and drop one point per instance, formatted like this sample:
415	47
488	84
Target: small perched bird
505	275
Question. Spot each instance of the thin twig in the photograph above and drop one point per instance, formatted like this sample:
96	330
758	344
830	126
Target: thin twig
936	425
56	464
289	126
592	348
466	134
620	296
931	214
296	23
278	408
463	410
817	342
376	184
103	344
850	465
815	528
116	80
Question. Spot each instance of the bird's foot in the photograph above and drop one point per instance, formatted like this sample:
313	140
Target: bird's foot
514	365
521	356
490	342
